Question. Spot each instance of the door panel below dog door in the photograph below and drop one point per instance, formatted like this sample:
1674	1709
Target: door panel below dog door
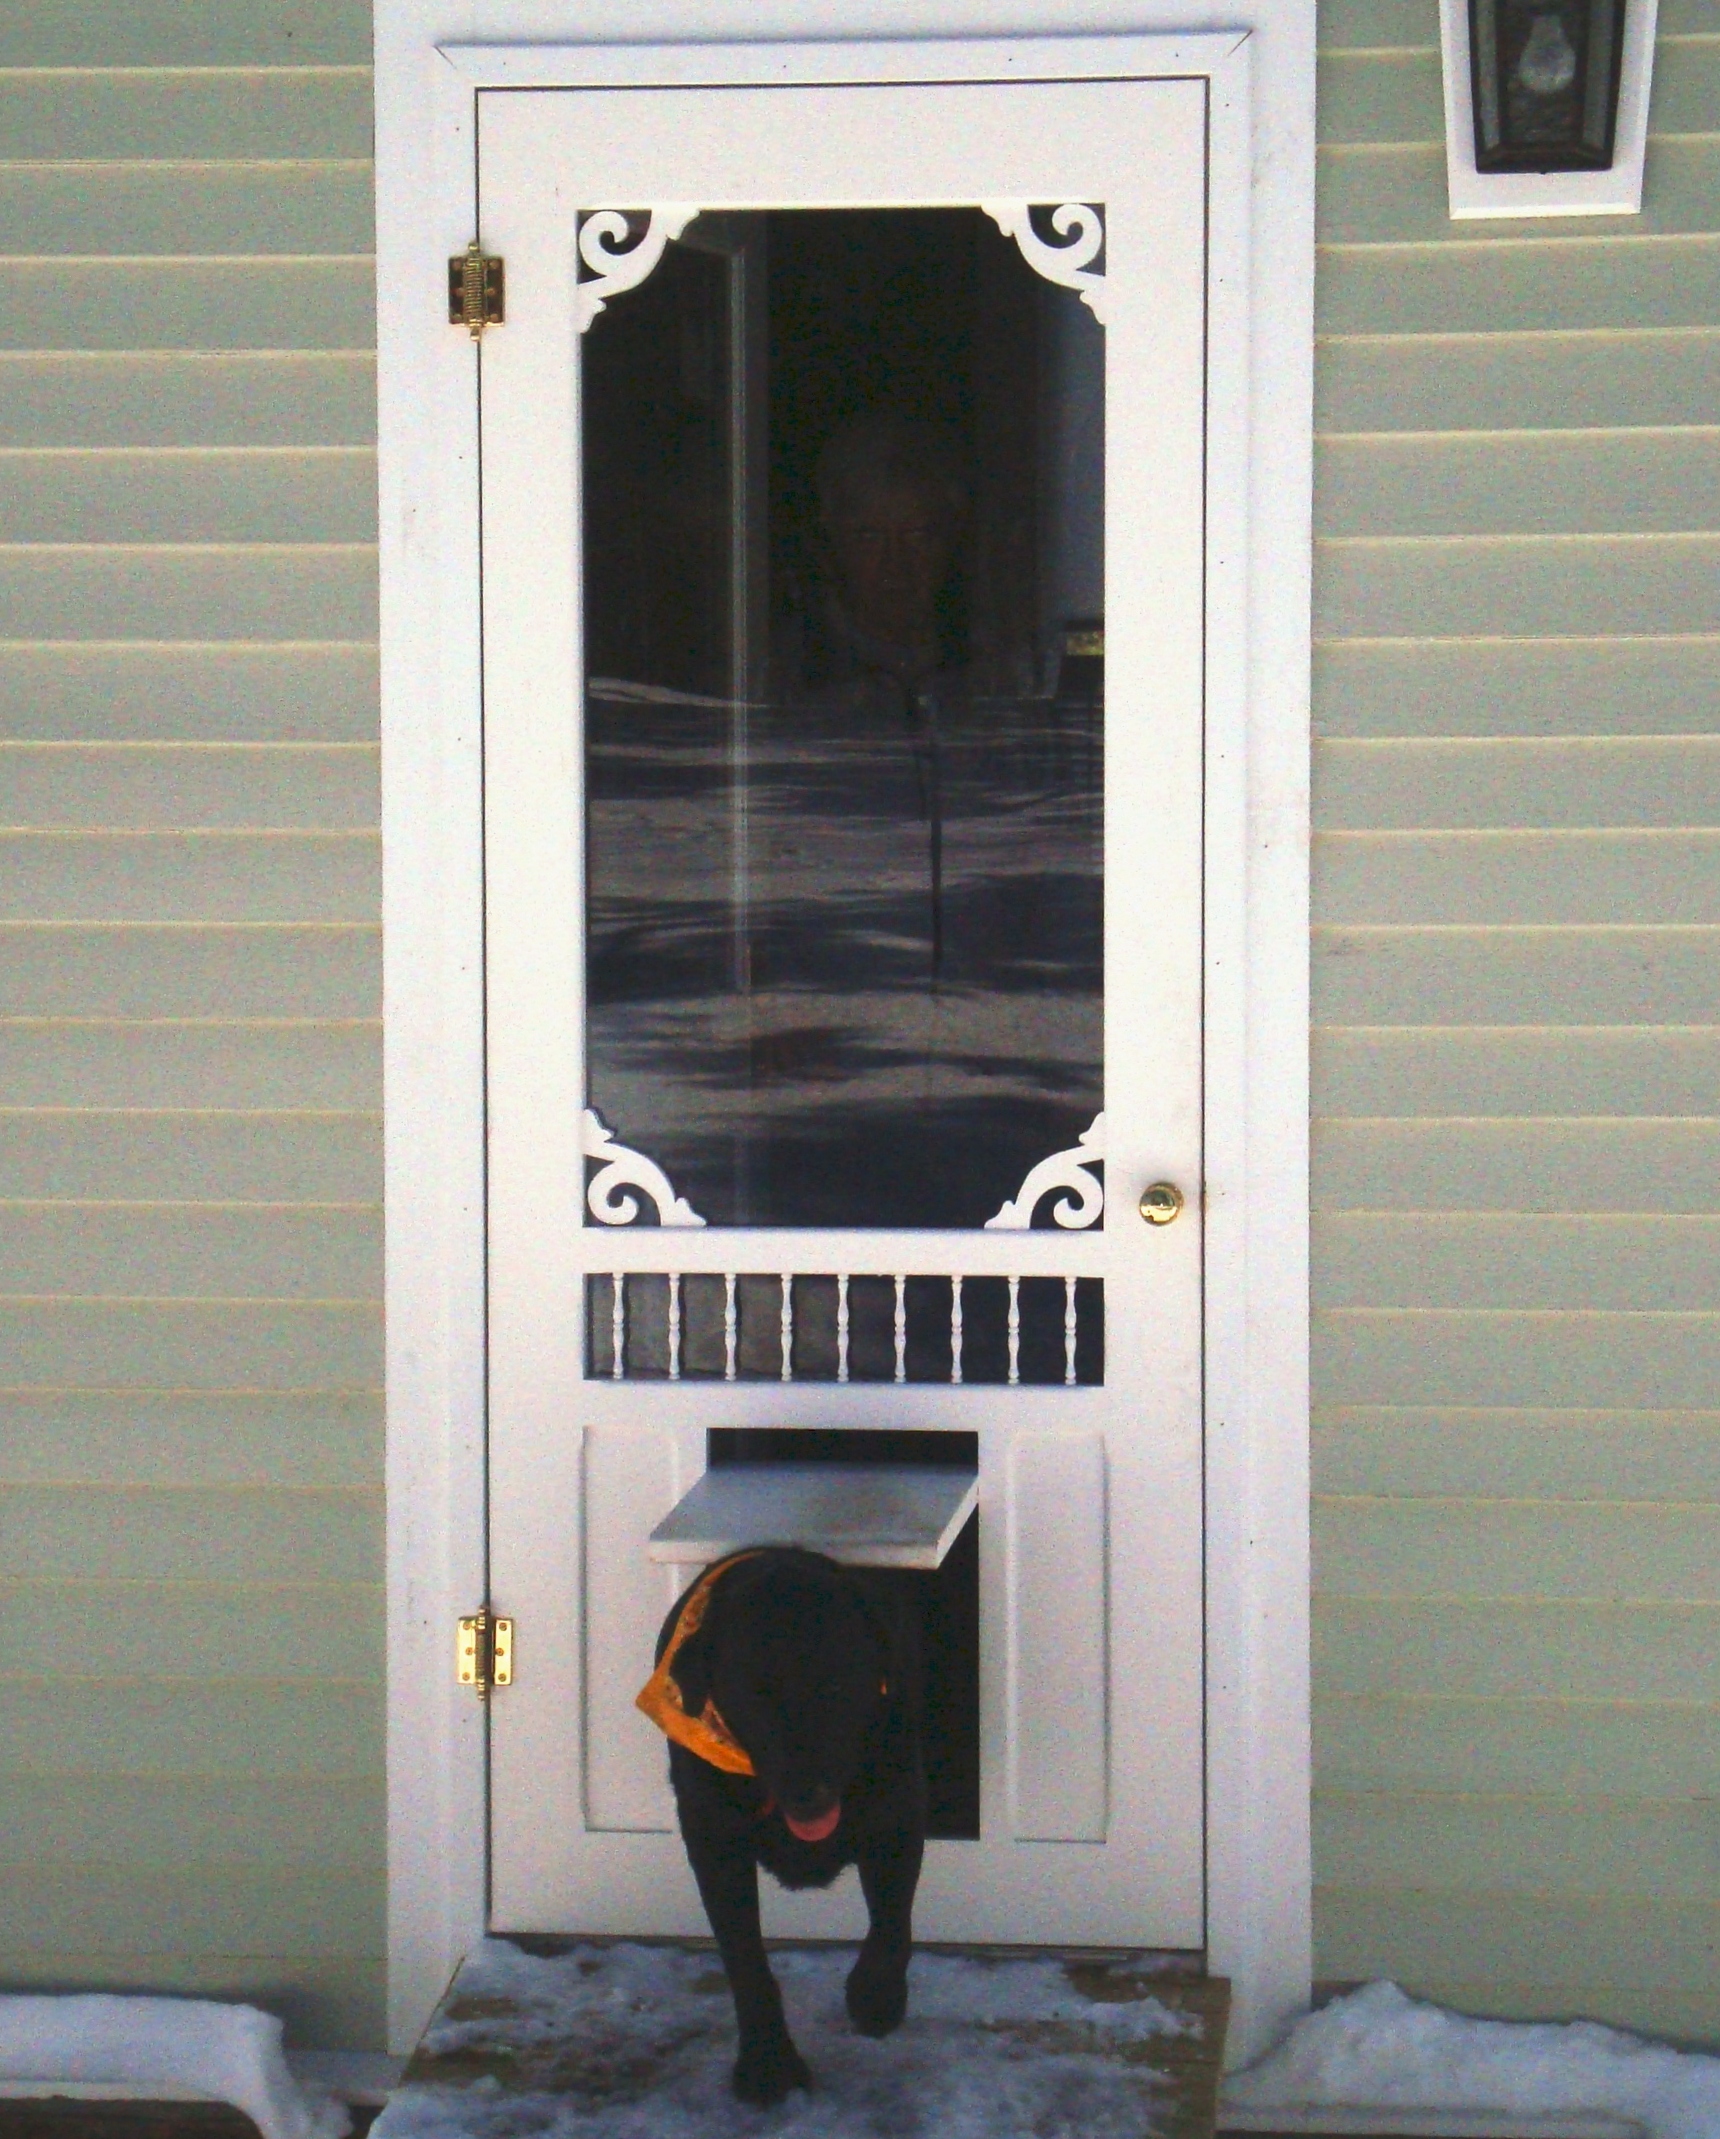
1058	1735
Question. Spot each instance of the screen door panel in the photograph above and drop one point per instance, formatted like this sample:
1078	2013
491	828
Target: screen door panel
842	540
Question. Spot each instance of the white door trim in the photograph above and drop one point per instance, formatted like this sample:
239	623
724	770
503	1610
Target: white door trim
431	57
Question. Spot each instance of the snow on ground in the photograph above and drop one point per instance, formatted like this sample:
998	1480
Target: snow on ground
648	2035
229	2052
1379	2049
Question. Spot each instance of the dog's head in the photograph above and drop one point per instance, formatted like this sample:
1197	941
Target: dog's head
797	1660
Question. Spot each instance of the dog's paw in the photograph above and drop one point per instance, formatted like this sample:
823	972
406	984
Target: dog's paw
767	2071
877	1992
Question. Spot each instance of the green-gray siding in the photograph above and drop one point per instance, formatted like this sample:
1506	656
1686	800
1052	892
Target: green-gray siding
191	1701
1517	1061
1517	1039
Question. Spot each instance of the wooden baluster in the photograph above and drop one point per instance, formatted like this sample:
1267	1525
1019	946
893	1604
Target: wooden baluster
787	1326
955	1329
842	1327
1069	1332
674	1326
731	1326
901	1329
1014	1332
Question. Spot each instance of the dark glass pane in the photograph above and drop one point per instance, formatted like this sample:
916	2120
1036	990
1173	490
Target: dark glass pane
1546	80
844	617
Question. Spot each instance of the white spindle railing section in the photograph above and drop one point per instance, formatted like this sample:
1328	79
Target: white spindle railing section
1012	1329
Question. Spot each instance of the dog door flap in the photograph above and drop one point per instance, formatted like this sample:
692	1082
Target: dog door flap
877	1516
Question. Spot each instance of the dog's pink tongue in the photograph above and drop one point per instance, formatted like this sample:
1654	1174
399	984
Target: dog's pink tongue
815	1830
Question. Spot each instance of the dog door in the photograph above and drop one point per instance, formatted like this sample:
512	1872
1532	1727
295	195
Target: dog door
864	1516
843	538
902	1504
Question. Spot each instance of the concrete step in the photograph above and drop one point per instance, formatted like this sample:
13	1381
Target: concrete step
621	2036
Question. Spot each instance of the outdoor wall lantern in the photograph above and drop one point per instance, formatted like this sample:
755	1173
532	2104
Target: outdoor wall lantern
1546	77
1546	105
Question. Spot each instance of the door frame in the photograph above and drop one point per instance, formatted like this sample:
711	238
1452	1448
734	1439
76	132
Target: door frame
433	56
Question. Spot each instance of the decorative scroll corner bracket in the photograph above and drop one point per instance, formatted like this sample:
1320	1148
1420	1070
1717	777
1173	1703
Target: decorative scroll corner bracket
1070	264
611	272
1064	1169
624	1169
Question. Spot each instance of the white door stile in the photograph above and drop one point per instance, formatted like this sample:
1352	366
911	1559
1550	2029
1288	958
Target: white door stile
1108	1851
534	879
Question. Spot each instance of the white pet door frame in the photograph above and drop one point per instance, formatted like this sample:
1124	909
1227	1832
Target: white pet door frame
1255	1920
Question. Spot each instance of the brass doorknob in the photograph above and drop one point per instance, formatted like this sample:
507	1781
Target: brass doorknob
1161	1203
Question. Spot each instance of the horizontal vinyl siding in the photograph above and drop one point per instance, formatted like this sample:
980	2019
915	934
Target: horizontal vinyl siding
191	1761
1517	1061
180	114
219	494
156	399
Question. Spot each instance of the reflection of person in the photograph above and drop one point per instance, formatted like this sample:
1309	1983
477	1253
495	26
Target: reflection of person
892	507
882	688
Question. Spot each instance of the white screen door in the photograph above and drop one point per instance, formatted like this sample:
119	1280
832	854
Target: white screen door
843	646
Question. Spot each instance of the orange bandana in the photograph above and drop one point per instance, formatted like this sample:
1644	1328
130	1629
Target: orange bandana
705	1734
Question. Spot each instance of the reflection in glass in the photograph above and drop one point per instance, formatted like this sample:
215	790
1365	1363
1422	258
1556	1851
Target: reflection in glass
843	588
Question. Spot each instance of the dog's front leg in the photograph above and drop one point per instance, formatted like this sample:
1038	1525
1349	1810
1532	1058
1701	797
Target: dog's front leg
877	1993
768	2065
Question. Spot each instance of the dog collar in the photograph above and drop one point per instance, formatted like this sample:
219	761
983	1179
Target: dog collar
705	1734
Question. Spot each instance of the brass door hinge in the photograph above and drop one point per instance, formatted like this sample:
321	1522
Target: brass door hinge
476	290
484	1653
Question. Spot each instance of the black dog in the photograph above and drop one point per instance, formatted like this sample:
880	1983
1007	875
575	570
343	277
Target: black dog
789	1687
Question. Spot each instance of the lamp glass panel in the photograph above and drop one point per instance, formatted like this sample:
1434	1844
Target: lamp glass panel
1546	83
